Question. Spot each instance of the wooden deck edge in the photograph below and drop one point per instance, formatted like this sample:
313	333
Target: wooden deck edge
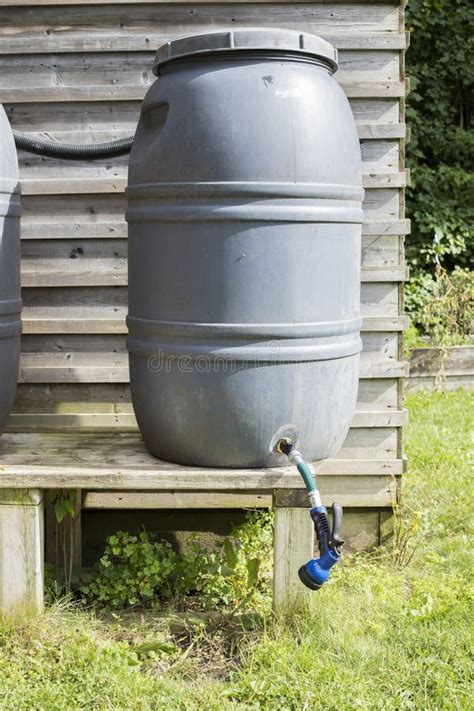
59	477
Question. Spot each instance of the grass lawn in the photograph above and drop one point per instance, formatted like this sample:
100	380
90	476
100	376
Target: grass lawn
380	635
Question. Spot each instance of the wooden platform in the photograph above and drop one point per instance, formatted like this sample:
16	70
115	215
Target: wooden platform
121	461
114	470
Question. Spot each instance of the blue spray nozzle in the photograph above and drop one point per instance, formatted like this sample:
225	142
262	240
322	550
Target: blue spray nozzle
316	571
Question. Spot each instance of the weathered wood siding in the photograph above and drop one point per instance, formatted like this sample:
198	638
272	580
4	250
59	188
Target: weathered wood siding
442	368
77	72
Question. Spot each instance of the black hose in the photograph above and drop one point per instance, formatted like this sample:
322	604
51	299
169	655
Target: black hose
72	151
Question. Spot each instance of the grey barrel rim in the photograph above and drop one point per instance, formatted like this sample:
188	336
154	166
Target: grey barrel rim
247	39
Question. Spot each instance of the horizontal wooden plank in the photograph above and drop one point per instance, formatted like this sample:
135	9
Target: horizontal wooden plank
380	251
41	176
377	274
58	325
135	41
357	492
64	422
384	250
380	344
378	299
385	370
96	120
104	406
379	227
117	184
448	383
101	216
80	227
171	500
367	131
21	94
68	3
362	491
77	26
75	404
382	418
113	272
347	491
374	395
73	272
113	368
379	157
388	180
395	323
374	130
442	362
96	421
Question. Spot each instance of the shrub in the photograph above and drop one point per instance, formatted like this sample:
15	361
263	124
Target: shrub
442	307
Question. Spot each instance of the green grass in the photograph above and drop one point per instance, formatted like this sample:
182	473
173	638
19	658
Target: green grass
380	635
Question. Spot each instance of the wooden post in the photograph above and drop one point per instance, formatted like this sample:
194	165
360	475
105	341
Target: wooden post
292	546
21	549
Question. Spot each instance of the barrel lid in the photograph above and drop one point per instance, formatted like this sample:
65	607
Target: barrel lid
245	39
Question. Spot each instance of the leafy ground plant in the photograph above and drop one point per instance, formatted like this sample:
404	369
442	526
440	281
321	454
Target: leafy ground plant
378	636
131	571
235	574
139	569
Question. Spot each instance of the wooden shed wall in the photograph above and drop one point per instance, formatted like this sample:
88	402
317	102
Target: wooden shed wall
77	72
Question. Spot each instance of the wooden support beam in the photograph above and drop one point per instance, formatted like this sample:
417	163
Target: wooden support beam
292	547
175	500
21	550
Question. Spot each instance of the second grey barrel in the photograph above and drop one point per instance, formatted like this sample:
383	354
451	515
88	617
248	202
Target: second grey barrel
244	212
10	302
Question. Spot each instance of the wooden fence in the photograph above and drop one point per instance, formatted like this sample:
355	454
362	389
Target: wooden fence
442	368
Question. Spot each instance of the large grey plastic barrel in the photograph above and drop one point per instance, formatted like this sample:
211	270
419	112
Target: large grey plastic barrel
244	212
10	302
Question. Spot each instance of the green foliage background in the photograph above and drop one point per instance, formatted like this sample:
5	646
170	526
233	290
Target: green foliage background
440	155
